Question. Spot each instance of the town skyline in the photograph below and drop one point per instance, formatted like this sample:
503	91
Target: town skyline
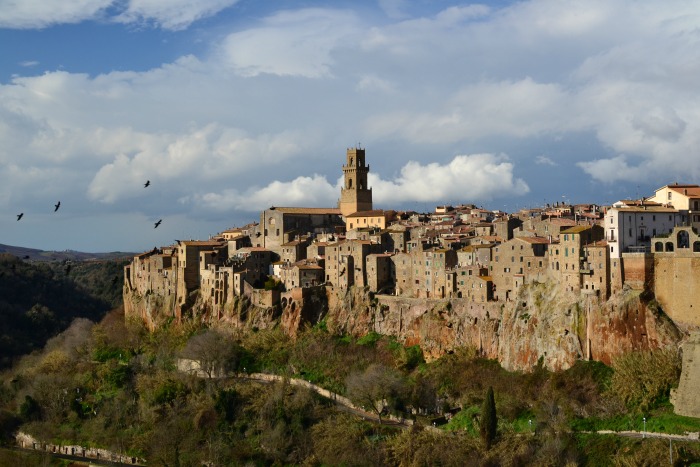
229	107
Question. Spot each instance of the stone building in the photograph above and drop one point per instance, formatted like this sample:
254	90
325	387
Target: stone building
302	273
355	195
676	271
345	264
517	261
280	225
567	259
630	225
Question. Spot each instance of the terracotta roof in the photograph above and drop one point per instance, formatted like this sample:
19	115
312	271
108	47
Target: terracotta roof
686	190
576	229
292	210
540	240
645	208
201	243
373	213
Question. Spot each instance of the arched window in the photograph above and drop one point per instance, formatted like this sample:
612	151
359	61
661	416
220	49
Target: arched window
682	239
669	246
696	247
658	246
349	182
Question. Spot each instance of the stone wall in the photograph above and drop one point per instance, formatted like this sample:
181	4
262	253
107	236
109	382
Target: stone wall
677	289
686	399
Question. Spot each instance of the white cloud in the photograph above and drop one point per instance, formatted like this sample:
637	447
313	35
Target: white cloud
203	155
31	14
314	191
290	43
171	14
544	160
614	170
166	14
29	63
477	177
517	109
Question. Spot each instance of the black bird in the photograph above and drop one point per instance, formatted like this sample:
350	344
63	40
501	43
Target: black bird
56	206
19	216
148	182
157	223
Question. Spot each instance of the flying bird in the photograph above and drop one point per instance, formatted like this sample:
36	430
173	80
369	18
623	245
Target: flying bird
157	223
148	182
56	206
19	216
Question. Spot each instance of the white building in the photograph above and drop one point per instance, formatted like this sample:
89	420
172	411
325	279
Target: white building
629	225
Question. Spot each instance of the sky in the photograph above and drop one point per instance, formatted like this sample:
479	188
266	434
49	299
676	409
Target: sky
229	107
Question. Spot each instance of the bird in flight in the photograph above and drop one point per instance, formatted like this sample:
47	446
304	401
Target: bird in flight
148	182
19	216
56	206
157	223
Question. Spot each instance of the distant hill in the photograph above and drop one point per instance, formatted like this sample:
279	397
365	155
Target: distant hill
40	298
33	254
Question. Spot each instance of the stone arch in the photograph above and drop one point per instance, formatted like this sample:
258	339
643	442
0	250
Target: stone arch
284	302
669	246
682	239
658	246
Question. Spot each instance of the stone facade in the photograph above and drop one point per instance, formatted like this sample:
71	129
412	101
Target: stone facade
355	195
676	273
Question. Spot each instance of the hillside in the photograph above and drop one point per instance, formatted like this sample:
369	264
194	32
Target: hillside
40	299
33	254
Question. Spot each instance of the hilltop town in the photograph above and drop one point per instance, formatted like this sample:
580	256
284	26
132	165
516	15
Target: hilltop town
457	252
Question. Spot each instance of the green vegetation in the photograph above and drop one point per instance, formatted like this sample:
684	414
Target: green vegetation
116	385
488	426
39	300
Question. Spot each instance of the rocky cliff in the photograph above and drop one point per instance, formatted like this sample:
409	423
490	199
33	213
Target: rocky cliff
541	323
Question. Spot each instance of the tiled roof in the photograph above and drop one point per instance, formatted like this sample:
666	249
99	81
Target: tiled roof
292	210
373	213
576	229
540	240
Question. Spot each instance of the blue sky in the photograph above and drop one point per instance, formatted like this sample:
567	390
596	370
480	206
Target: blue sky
229	107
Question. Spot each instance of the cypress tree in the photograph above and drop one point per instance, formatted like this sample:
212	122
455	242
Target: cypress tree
489	420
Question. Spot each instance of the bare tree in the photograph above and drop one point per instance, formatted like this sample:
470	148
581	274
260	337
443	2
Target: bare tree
215	352
376	387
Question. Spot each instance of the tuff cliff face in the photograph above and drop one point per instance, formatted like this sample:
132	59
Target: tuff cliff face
542	322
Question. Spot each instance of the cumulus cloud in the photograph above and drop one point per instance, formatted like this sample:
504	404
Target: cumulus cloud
31	14
613	170
210	153
171	14
313	191
290	43
478	177
166	14
519	109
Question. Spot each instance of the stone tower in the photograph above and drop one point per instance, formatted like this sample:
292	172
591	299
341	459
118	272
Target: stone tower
355	195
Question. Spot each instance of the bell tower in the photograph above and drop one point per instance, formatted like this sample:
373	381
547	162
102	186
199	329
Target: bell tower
355	195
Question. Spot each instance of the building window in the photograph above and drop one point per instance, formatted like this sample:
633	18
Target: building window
669	195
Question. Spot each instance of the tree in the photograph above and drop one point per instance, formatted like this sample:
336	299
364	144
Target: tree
214	351
489	420
375	387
